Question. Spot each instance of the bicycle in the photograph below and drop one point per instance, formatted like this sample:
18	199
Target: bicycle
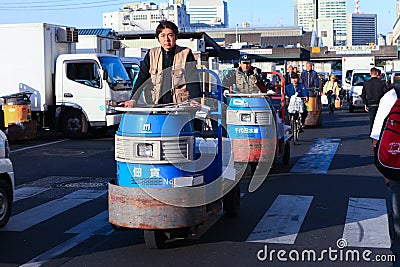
296	125
295	110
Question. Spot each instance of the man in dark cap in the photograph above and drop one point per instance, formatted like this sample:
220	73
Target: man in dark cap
246	79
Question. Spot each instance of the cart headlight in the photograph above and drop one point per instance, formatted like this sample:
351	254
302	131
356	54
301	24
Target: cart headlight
145	150
245	117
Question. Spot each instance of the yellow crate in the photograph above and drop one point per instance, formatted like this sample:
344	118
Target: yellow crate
16	113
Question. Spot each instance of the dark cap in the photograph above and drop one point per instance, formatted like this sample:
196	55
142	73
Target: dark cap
245	58
294	75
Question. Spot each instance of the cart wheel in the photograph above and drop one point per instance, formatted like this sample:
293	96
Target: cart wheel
286	154
231	202
155	238
253	167
5	202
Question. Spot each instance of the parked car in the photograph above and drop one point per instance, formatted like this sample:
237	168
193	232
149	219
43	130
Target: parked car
6	181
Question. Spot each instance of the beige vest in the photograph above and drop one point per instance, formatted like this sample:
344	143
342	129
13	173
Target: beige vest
179	90
246	84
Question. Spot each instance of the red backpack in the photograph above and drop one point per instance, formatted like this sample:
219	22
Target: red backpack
387	150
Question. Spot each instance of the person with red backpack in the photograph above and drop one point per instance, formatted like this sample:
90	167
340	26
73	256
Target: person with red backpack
385	136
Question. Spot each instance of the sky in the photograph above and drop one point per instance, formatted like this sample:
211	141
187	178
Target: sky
88	13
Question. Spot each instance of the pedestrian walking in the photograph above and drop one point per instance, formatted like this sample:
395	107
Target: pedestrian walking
331	90
309	77
386	103
372	92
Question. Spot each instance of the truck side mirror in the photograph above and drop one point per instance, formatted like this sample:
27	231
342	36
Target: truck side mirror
105	75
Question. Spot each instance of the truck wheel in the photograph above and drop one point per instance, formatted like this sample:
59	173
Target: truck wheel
231	202
286	154
5	202
155	238
74	124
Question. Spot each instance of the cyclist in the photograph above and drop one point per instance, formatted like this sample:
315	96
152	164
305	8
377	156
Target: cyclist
300	89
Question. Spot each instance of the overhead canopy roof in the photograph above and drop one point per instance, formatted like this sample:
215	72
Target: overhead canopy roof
212	47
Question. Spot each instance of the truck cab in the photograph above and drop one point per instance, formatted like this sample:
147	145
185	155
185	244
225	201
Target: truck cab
6	181
88	88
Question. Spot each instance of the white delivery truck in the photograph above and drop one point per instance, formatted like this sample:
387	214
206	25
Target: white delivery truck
354	62
71	92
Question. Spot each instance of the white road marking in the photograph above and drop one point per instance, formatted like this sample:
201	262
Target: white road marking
97	225
31	217
282	221
367	223
36	146
318	158
27	192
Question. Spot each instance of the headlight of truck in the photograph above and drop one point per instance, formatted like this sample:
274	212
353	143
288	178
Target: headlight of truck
245	117
145	150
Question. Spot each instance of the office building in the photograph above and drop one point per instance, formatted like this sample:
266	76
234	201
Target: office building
361	29
305	14
334	10
208	12
326	17
396	26
140	16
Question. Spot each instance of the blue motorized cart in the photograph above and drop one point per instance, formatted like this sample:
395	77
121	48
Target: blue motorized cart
256	129
170	178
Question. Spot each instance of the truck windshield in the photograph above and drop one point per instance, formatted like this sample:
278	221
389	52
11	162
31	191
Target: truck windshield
360	78
115	69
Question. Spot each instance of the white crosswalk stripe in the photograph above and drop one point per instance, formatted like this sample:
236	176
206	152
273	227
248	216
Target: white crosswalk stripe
282	222
31	217
27	192
95	225
367	223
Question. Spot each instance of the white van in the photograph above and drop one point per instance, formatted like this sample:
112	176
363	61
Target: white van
358	78
6	180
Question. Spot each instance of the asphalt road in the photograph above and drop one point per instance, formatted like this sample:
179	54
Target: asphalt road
60	216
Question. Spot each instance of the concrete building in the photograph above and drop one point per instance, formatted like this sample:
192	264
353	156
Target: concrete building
382	40
333	10
146	16
208	12
396	26
361	29
318	15
326	32
305	14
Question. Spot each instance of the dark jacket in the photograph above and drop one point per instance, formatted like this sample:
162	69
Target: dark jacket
310	79
300	89
373	90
